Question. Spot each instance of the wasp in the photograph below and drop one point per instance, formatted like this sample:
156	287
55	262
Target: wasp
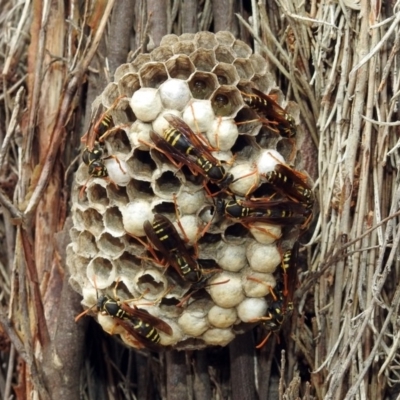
272	111
94	160
184	146
292	184
139	323
164	236
277	313
289	270
277	212
101	125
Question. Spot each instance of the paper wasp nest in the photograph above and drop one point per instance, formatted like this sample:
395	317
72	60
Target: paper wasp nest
201	79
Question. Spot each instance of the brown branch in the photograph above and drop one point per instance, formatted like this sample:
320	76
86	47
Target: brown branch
9	206
202	383
120	33
68	346
42	328
73	82
241	351
176	375
157	9
189	16
266	357
13	336
26	356
12	125
223	15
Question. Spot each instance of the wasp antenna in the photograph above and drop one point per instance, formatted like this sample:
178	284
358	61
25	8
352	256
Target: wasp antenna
115	289
78	317
178	219
194	118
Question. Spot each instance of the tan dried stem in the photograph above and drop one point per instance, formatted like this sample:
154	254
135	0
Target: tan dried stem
71	86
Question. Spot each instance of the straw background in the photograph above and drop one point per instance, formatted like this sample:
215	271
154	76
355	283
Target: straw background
339	61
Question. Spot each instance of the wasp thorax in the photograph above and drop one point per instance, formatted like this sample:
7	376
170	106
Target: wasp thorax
185	189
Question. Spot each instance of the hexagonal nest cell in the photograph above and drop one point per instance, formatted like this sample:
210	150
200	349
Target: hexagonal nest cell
186	214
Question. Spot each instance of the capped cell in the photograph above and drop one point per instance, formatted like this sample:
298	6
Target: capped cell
241	49
224	54
223	134
205	40
134	214
226	38
146	104
175	94
161	54
220	317
139	61
263	258
183	47
169	40
244	68
199	115
218	337
252	309
229	291
256	284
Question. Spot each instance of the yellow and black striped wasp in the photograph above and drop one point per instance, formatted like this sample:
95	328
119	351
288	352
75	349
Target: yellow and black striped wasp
137	322
185	147
164	236
101	126
277	313
276	118
275	212
293	184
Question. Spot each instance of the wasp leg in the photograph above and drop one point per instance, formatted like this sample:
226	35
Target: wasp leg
270	288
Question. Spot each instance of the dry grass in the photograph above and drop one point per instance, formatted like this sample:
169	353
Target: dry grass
338	61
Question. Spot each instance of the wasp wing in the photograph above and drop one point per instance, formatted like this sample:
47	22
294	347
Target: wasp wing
168	149
199	147
145	316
